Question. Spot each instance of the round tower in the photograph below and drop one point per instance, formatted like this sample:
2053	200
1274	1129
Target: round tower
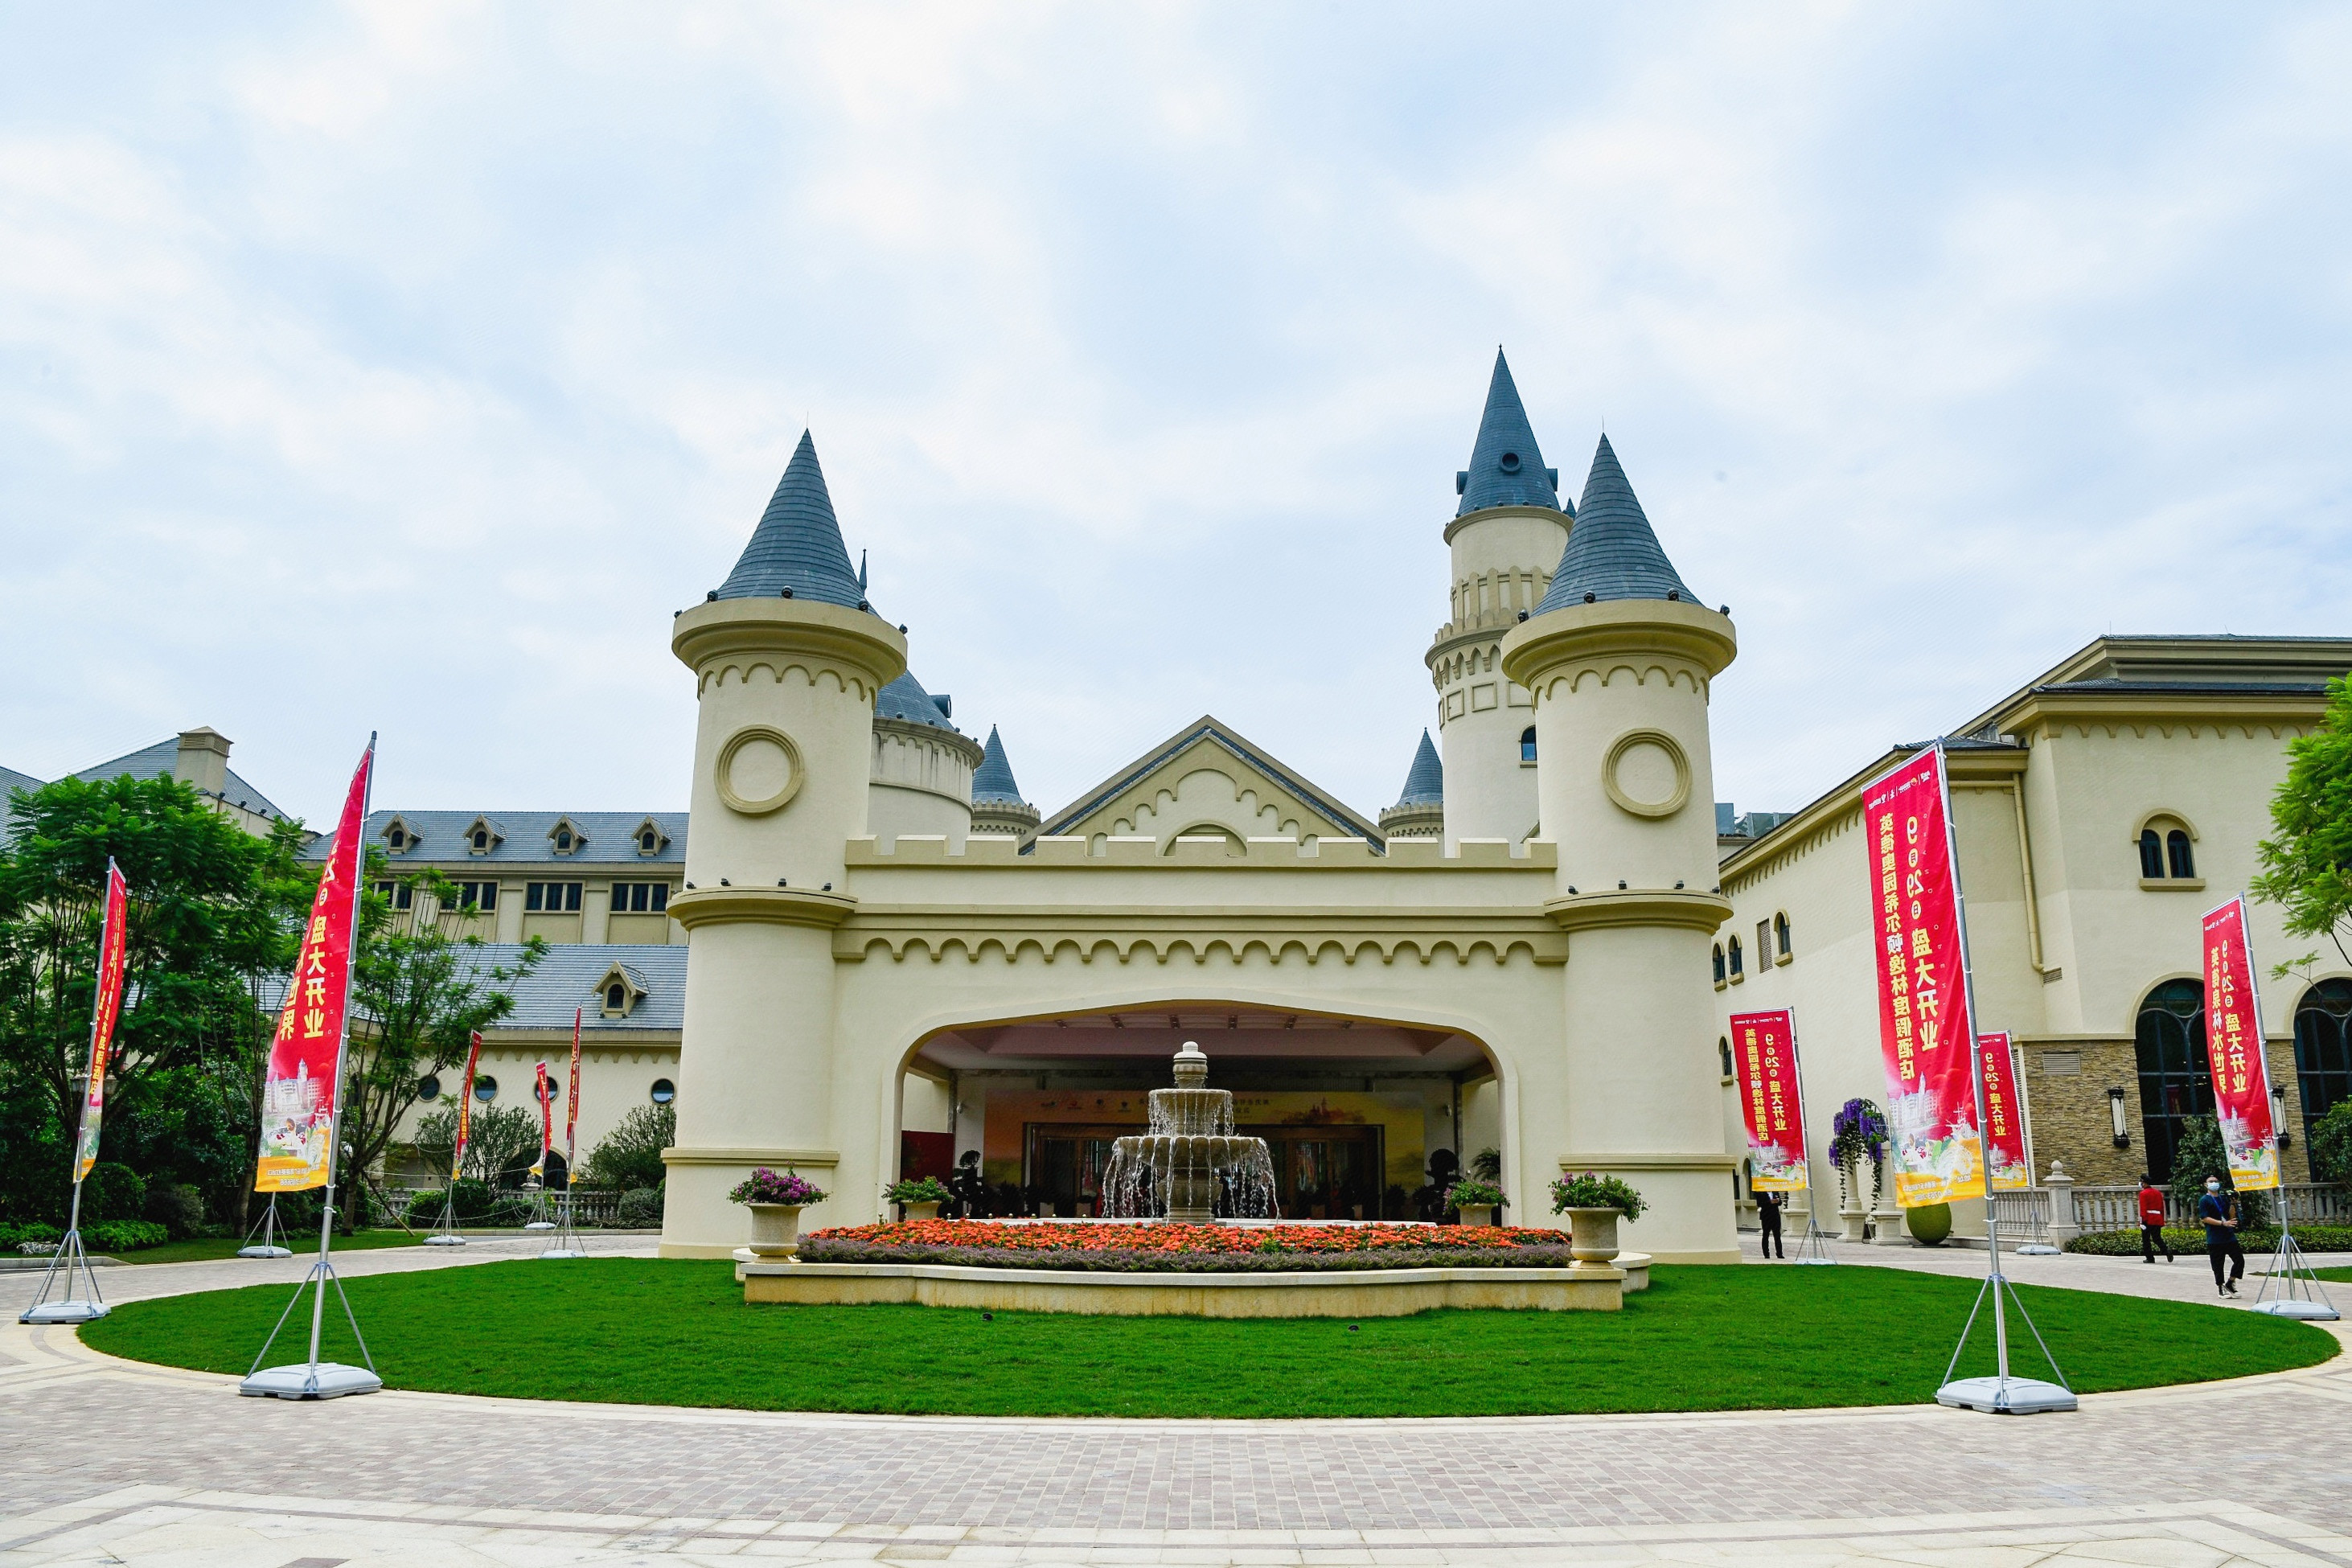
922	768
788	660
997	807
1620	662
1420	810
1505	536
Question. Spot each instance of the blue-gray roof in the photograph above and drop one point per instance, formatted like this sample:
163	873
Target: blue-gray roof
797	545
905	698
158	760
1424	784
1611	552
11	779
607	838
993	782
569	976
1505	467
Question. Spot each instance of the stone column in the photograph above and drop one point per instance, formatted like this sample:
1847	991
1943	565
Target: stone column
2064	1226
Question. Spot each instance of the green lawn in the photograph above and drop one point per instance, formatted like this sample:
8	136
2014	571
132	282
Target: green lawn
674	1333
304	1245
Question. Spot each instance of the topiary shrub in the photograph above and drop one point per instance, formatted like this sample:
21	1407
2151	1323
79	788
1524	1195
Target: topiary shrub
639	1209
113	1191
176	1206
1929	1225
2330	1146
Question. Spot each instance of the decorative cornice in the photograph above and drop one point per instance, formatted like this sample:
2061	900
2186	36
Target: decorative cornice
680	1155
1639	907
1350	934
770	906
954	740
1616	628
720	629
1488	514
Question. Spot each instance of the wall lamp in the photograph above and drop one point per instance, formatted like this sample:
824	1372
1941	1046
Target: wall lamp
2115	1117
2278	1117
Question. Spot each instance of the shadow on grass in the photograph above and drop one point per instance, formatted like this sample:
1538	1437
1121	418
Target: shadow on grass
634	1331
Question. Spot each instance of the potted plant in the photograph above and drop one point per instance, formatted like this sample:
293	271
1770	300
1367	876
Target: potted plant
1594	1203
920	1197
1476	1199
776	1203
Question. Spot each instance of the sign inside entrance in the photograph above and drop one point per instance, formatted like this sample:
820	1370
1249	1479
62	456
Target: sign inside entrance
1924	1028
1764	1057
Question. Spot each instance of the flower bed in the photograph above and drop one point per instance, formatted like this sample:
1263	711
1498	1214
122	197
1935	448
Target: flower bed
1188	1249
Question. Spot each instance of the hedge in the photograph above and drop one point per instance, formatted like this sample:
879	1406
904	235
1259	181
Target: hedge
2191	1238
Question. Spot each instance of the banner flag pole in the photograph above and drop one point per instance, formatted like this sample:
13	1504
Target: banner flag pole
295	1157
267	1228
106	1008
1815	1248
565	1243
2243	1108
446	1235
543	1088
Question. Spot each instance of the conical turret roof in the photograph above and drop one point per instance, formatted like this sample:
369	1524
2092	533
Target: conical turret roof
1612	552
1424	784
994	779
1507	468
797	545
905	698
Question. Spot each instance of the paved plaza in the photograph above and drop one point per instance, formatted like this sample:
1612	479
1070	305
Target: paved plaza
107	1462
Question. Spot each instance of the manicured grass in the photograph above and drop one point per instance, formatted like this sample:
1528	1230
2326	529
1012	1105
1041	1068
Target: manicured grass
304	1244
674	1333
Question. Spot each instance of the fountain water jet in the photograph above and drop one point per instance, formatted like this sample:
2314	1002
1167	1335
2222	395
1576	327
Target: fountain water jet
1190	1168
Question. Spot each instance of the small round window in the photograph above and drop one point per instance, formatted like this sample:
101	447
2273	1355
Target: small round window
428	1088
486	1088
664	1091
1510	464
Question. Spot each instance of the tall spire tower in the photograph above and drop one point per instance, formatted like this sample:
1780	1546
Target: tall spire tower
1505	537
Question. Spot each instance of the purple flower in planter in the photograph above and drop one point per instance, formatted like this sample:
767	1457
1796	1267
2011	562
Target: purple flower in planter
764	1186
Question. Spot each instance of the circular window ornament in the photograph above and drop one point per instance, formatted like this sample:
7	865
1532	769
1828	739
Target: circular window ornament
664	1091
1510	464
759	770
486	1088
1646	773
428	1088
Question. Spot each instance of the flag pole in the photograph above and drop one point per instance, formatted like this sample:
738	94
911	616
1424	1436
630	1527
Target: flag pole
565	1243
72	1308
2002	1395
1814	1248
2300	1293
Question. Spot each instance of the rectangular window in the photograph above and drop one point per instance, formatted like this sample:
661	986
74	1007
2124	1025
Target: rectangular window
552	897
481	896
400	893
640	897
1763	941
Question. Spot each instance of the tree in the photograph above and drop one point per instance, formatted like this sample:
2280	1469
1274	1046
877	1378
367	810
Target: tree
211	918
418	994
2202	1154
2306	870
500	1143
2330	1144
629	1156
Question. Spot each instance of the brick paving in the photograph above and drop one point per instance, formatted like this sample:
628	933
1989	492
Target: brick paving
75	1428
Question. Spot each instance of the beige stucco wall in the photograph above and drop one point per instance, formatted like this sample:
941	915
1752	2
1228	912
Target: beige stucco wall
1502	561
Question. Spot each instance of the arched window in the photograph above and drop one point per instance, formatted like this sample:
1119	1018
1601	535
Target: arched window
617	997
1723	1048
2151	854
1736	971
1718	964
2175	846
647	842
2176	1081
482	838
397	838
2323	1049
563	840
1528	744
1780	935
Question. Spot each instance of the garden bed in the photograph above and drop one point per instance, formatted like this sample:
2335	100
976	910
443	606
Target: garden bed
1187	1248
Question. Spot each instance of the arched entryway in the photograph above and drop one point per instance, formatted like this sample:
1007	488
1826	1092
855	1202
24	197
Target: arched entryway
1362	1116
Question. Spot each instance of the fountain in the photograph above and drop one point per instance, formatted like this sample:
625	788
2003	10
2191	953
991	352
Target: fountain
1190	1168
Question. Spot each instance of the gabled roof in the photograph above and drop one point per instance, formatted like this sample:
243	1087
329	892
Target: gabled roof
993	779
1333	815
798	543
2216	665
11	779
1612	552
905	698
572	974
1506	468
1424	784
609	837
158	760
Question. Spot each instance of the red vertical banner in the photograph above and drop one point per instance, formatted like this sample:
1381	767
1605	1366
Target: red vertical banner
572	1105
1924	1028
465	1107
2004	1116
545	1088
112	942
2233	1043
1764	1055
298	1096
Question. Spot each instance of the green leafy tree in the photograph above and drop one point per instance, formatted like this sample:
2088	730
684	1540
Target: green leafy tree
419	992
2331	1143
2202	1154
629	1156
500	1143
2306	870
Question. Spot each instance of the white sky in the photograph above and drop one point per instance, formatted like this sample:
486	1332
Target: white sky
405	366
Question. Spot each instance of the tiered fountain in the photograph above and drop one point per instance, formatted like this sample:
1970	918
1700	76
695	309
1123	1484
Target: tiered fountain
1190	1168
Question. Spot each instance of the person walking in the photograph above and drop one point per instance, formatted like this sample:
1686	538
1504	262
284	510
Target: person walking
1768	1215
2217	1212
2151	1221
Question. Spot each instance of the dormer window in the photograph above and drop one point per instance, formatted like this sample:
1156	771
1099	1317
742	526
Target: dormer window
649	838
483	836
617	997
618	993
398	837
564	838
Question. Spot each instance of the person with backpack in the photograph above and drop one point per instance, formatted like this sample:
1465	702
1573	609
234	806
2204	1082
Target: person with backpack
2217	1212
2151	1221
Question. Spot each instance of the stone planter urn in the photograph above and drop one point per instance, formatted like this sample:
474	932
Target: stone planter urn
775	1230
921	1211
1592	1236
1480	1213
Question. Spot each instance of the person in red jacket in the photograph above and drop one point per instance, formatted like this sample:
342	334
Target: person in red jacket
2151	1221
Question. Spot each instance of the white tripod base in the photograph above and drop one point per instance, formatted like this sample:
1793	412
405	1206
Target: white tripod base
64	1313
2005	1395
2039	1249
258	1251
327	1380
563	1252
445	1240
2309	1311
